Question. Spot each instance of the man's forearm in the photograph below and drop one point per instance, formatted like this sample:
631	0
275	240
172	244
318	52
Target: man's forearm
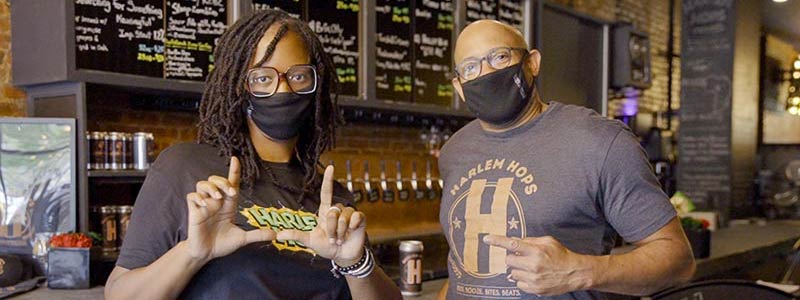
165	278
647	269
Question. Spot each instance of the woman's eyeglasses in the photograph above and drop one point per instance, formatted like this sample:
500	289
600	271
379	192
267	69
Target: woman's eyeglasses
264	81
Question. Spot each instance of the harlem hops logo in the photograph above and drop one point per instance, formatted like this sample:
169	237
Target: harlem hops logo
281	219
487	207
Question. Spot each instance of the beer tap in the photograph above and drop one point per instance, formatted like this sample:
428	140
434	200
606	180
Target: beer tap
432	190
419	192
402	192
349	176
372	193
386	190
357	194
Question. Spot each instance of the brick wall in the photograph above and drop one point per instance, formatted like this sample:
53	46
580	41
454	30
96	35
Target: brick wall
114	110
652	17
12	100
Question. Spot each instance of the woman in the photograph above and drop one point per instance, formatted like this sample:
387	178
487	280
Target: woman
255	233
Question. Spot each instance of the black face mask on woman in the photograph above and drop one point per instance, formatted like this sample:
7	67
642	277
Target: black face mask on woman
282	115
500	97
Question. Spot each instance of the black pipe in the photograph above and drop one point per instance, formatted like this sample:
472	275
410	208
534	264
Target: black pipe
670	57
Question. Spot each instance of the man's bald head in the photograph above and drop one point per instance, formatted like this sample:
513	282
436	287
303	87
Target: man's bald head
481	36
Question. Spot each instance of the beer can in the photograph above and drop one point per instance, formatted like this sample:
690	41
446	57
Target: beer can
115	145
411	268
97	150
123	218
108	222
142	146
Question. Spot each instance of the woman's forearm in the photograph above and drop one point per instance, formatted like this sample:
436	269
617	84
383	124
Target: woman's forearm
165	278
376	286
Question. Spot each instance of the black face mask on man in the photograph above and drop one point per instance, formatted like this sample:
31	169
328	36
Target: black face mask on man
500	97
282	115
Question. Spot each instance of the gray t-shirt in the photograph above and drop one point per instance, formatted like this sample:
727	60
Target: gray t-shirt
569	173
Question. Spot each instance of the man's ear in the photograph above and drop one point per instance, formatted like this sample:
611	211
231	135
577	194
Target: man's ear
532	64
459	90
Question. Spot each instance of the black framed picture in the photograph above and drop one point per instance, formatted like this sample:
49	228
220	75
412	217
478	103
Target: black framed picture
37	180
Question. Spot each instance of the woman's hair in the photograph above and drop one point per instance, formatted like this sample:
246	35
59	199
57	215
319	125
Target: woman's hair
223	120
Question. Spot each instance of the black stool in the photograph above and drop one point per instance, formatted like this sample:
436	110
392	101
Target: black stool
723	290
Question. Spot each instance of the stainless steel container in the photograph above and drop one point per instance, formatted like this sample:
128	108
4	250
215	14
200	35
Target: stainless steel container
115	145
142	146
411	268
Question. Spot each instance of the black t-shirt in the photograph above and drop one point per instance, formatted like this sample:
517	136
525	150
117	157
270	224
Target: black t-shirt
264	270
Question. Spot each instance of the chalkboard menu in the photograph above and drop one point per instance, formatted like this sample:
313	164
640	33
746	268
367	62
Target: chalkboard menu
157	38
508	11
479	10
120	37
512	12
192	31
392	50
293	7
433	49
707	40
336	25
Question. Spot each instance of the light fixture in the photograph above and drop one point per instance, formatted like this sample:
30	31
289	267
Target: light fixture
797	64
795	101
778	1
793	110
792	89
796	75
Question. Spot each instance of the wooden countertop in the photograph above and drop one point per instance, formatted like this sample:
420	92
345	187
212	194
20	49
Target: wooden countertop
731	248
738	246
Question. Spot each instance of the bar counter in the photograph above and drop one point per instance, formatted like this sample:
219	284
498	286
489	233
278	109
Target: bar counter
732	250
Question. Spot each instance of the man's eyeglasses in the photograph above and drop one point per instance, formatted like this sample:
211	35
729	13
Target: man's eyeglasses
498	58
263	81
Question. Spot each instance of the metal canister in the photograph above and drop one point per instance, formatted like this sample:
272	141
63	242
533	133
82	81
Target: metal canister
115	145
127	151
123	217
411	268
108	221
142	146
97	150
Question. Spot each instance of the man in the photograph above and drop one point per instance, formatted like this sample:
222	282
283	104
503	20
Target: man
535	194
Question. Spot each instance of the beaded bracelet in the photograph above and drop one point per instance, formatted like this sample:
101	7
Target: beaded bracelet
360	269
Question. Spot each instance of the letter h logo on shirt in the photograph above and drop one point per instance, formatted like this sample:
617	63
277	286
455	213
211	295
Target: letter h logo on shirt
493	222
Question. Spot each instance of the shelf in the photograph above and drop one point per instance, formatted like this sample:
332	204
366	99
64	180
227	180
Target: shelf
429	110
139	82
116	173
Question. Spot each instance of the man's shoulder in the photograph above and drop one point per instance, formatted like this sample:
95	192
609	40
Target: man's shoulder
586	122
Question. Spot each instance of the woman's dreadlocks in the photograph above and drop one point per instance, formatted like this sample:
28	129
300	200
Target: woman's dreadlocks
223	122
